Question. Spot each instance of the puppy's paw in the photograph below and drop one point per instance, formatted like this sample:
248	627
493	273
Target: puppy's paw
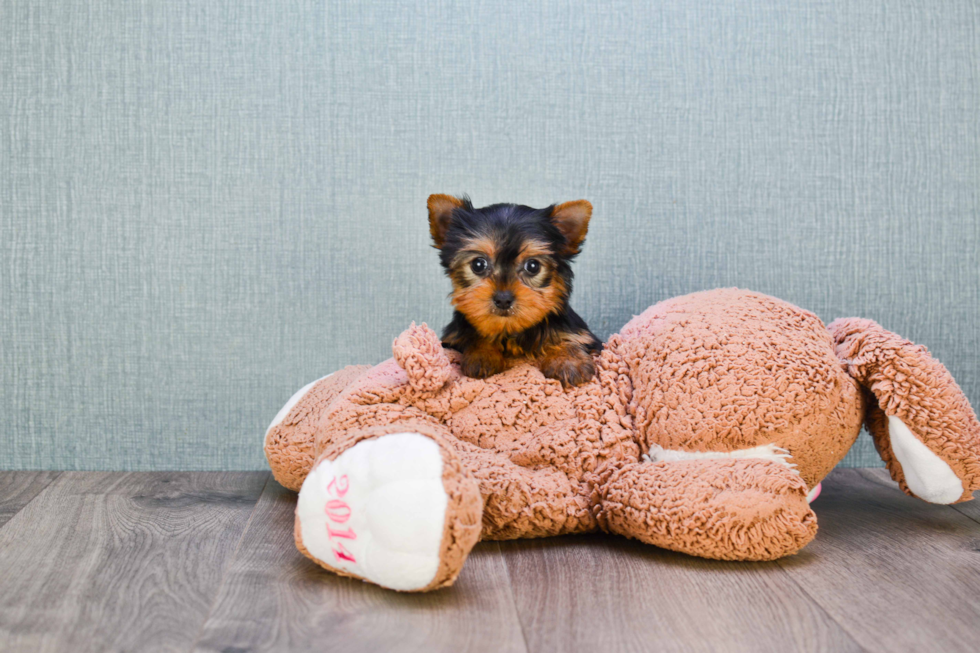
570	370
482	363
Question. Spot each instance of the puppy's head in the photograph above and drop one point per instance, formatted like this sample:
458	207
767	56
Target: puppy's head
509	264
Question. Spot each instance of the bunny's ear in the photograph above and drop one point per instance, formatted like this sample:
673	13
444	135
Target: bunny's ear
419	352
923	425
572	220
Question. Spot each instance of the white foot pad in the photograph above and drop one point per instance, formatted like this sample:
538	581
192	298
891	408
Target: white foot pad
926	474
378	511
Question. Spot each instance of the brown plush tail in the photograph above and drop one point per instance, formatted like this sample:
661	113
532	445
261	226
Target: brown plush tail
419	352
921	422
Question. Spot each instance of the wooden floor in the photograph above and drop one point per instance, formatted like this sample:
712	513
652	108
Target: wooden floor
206	562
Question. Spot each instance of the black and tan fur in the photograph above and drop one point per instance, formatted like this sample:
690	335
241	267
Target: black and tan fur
510	266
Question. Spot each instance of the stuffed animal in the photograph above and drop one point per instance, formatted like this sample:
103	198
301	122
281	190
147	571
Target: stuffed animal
710	420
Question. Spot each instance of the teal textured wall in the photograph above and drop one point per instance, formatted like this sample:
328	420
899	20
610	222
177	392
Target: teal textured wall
204	205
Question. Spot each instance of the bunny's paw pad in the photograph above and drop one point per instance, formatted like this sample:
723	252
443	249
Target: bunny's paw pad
378	511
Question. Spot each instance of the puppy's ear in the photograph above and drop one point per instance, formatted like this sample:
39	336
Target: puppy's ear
440	212
572	220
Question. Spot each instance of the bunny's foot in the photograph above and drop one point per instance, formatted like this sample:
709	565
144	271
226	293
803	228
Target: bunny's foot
396	510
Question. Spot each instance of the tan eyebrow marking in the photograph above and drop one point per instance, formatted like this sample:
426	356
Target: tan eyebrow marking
481	244
534	248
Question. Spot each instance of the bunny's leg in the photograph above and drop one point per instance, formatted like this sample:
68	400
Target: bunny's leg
521	502
402	505
289	438
391	505
726	509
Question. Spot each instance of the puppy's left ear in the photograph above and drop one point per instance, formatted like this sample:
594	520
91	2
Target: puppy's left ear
572	220
440	213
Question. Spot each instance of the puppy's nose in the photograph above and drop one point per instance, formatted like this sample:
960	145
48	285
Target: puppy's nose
503	299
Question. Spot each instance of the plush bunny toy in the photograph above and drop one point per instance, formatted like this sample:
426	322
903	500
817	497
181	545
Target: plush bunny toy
710	420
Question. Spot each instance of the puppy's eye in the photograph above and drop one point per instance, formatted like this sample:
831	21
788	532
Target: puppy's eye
478	265
532	266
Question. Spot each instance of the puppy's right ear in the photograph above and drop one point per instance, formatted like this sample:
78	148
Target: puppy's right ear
440	213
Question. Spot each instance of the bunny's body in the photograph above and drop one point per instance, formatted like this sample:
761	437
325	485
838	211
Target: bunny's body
709	420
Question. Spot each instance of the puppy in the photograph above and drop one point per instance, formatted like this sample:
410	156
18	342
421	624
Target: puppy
511	274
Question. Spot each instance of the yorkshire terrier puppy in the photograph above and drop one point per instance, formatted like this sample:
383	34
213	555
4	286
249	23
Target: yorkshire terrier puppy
511	274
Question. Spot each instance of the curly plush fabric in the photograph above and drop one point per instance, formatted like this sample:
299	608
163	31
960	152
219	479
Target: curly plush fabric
730	369
725	509
419	352
461	528
289	443
708	420
896	371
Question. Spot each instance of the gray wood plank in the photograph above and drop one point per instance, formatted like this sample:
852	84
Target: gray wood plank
120	562
18	488
970	508
897	573
605	593
274	599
